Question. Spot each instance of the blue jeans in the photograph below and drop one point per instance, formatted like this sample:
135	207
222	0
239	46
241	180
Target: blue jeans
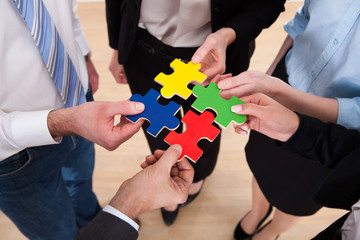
47	191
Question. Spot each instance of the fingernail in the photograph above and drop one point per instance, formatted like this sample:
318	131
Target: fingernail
177	147
245	128
196	59
236	108
243	133
139	106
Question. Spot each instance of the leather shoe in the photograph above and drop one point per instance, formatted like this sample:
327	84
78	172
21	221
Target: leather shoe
263	228
169	216
192	197
240	234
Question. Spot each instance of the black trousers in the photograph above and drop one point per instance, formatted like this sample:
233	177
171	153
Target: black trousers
148	58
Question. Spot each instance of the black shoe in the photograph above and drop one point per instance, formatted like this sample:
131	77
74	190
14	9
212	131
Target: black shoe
169	217
240	234
192	197
263	228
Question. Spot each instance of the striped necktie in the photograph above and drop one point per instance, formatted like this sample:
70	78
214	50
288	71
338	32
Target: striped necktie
52	50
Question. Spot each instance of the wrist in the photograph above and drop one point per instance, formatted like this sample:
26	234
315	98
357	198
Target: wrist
126	204
228	34
60	122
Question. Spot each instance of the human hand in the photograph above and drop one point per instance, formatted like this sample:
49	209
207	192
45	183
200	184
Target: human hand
164	181
93	75
95	122
266	116
117	69
250	82
212	54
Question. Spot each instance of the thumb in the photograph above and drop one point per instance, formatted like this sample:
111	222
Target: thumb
126	108
170	157
248	109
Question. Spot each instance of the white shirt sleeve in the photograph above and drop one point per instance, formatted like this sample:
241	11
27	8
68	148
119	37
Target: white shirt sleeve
117	213
20	130
79	33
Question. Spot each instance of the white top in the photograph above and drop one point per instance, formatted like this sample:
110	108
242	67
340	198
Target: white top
177	23
351	228
27	92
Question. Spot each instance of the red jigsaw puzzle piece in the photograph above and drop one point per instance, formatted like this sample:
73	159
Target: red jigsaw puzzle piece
197	128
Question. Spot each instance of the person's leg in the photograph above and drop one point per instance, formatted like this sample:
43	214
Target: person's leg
260	207
77	173
280	223
33	194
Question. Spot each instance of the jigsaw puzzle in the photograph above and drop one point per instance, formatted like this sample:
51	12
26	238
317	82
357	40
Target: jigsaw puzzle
209	98
177	82
197	128
158	115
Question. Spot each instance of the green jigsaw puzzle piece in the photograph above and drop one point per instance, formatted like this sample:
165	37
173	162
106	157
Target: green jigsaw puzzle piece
209	97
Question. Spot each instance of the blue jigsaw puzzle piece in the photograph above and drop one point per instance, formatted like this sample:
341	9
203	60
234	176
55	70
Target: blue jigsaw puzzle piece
158	115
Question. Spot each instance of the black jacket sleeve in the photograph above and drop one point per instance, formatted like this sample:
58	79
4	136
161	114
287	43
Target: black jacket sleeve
339	149
327	143
247	18
106	226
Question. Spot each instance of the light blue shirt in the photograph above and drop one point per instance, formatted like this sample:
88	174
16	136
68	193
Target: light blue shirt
325	58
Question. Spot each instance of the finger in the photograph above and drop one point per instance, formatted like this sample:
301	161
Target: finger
144	165
201	52
170	156
186	172
151	159
249	109
213	71
125	108
239	91
123	133
158	153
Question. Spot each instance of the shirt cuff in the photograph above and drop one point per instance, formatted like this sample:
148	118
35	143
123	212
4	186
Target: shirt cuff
117	213
347	107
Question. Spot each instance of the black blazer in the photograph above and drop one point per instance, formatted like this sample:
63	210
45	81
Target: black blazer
106	226
337	148
246	17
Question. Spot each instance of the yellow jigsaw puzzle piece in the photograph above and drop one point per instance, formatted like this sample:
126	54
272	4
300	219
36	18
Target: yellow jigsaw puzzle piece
177	82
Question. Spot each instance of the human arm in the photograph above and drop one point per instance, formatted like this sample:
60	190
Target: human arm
287	44
247	83
234	24
162	182
327	143
85	50
117	69
95	122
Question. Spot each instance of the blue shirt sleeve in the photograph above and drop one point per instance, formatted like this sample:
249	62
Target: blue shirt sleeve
299	22
349	112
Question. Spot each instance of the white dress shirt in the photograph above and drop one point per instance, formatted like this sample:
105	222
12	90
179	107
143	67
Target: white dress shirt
27	92
177	23
351	227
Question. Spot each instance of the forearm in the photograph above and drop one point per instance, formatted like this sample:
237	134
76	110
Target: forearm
325	109
287	44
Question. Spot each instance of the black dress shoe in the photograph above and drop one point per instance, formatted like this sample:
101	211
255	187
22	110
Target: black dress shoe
240	234
169	216
263	228
192	197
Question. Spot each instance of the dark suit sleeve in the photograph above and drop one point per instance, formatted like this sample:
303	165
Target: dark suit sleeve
106	226
251	17
113	10
339	149
327	143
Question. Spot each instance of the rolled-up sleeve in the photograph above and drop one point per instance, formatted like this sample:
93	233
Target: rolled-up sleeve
299	22
349	112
